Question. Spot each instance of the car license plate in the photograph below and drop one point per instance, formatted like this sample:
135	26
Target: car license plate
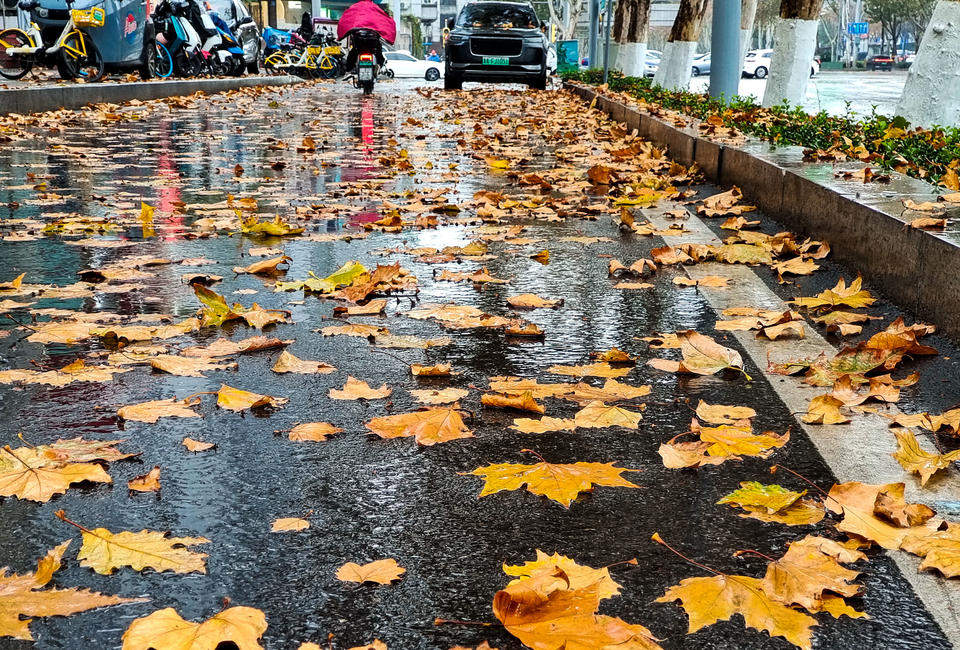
496	60
365	73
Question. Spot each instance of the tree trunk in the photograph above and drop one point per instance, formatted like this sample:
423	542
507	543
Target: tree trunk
932	92
748	12
677	60
574	9
631	27
795	36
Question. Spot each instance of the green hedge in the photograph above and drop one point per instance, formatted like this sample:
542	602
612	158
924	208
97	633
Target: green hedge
889	143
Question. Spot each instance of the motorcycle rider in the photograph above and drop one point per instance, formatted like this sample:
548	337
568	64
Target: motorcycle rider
366	24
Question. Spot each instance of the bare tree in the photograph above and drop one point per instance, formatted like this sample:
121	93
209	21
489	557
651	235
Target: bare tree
931	94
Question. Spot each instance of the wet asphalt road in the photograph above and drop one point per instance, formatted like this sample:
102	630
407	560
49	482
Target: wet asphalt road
369	498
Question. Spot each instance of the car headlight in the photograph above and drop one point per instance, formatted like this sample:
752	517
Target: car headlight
456	39
42	12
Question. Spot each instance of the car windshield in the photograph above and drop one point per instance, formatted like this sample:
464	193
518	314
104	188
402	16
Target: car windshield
497	16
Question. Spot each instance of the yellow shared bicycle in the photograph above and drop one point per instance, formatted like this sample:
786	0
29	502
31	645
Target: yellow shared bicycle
73	52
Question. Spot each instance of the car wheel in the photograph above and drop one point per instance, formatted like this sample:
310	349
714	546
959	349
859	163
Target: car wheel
760	72
432	74
540	83
695	72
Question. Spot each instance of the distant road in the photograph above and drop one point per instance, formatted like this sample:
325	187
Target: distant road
830	90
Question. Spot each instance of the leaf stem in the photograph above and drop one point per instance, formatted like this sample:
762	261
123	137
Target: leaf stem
659	540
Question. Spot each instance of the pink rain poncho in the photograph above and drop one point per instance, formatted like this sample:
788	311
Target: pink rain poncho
366	14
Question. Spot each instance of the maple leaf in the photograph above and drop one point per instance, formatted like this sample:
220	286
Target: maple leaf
940	549
313	431
428	426
438	370
532	301
611	391
243	626
197	445
224	347
149	482
804	573
105	551
544	613
722	414
439	396
235	399
188	366
772	498
853	296
286	362
701	356
559	482
914	459
543	425
719	597
857	501
578	576
597	415
355	389
598	369
276	227
289	524
360	330
23	596
726	440
264	267
156	409
825	409
382	572
804	512
26	475
522	402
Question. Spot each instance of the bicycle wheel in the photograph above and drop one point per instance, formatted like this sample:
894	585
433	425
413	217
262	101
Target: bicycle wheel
163	64
274	62
328	67
14	66
80	58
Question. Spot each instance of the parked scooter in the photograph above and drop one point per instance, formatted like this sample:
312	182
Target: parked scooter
366	55
229	51
176	33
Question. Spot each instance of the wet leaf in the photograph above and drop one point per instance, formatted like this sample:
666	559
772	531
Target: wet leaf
940	549
856	502
234	399
286	362
355	389
197	445
522	402
701	356
722	414
242	626
559	482
914	459
188	366
578	576
427	427
149	482
772	498
439	396
804	573
27	475
289	524
853	296
382	572
825	409
543	425
313	432
163	408
597	415
532	301
264	267
598	369
23	597
718	598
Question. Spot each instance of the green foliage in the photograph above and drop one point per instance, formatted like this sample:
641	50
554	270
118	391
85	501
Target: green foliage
878	139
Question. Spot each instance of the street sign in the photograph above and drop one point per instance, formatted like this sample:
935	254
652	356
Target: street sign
858	28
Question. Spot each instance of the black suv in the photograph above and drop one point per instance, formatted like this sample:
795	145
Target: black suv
496	42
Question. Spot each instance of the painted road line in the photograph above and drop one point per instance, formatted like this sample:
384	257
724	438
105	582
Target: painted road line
859	451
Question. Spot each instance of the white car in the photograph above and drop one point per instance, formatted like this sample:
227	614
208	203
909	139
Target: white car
757	64
404	64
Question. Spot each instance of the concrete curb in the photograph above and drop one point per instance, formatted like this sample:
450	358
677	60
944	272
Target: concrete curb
864	224
50	98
